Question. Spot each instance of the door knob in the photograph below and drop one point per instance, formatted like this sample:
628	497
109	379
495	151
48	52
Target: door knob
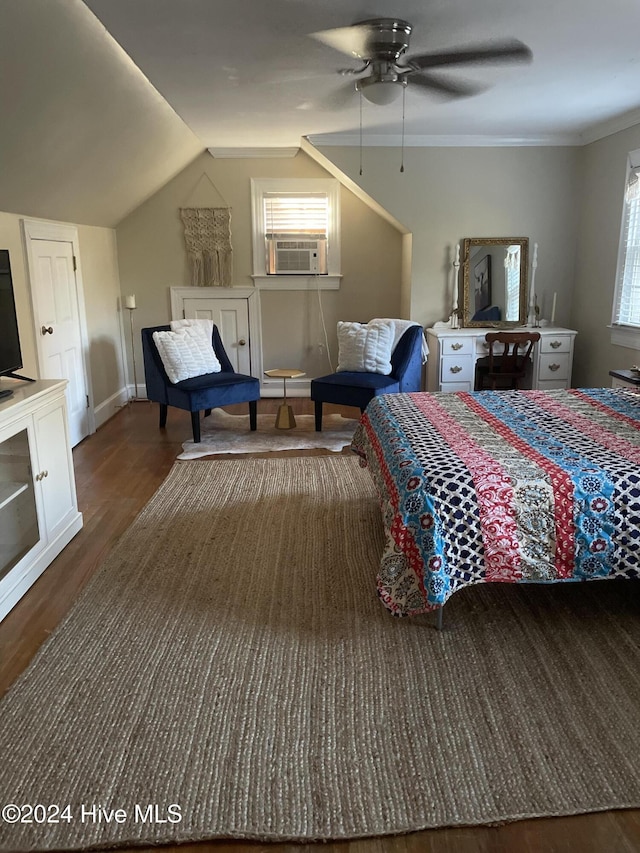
47	330
242	342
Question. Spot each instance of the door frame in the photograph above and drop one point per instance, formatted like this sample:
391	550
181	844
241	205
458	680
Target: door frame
252	297
42	229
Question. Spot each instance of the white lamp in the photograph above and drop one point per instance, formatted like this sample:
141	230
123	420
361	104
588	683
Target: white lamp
380	92
381	89
130	305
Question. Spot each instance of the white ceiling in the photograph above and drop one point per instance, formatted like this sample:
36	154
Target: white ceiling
245	73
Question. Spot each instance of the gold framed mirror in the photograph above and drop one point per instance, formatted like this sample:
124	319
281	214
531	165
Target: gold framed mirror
495	281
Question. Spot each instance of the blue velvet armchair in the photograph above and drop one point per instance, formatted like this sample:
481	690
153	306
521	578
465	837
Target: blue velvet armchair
200	393
357	389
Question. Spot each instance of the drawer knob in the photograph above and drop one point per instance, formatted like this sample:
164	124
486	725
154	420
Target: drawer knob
555	344
455	369
554	367
456	346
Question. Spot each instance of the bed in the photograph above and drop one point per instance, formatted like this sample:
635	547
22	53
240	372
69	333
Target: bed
502	486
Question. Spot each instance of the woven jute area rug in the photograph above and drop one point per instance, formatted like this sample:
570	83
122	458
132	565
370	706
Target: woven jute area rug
225	433
230	672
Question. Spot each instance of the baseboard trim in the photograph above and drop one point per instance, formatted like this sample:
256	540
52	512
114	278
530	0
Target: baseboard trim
108	408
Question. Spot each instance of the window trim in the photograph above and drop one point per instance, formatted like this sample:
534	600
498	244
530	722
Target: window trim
264	281
623	334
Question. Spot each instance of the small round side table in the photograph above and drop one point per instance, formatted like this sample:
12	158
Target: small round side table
284	418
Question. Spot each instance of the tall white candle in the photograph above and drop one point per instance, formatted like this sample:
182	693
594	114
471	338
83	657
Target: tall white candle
458	253
531	320
130	301
553	308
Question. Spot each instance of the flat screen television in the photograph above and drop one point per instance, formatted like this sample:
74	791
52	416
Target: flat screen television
10	354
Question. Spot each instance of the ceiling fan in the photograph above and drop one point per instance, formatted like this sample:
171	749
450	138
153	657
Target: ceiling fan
381	44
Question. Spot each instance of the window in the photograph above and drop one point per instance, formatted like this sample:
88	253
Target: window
295	233
626	305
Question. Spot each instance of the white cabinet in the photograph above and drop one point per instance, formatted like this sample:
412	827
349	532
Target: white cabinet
38	506
453	354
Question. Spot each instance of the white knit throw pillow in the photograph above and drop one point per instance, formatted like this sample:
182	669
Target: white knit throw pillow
187	352
365	347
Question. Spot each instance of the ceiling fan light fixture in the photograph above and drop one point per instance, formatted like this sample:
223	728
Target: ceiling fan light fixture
380	92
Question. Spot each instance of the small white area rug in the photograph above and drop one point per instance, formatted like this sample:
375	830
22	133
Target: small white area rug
224	433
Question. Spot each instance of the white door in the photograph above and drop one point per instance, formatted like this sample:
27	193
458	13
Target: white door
231	316
58	332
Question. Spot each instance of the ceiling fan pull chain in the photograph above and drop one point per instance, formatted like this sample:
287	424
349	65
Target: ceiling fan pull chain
360	132
404	95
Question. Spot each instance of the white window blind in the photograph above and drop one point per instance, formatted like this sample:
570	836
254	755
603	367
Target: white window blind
292	214
627	308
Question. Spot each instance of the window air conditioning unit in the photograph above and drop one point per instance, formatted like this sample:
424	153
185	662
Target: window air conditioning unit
297	257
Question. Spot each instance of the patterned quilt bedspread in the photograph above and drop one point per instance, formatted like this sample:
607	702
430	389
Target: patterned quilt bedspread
512	486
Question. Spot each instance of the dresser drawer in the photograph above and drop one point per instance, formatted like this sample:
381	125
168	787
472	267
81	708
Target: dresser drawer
457	346
456	368
554	366
555	343
452	387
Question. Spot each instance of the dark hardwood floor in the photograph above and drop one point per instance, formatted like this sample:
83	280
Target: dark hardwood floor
117	471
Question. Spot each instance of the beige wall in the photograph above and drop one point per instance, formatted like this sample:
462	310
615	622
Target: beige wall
101	294
85	136
568	200
603	176
152	258
11	239
101	285
446	194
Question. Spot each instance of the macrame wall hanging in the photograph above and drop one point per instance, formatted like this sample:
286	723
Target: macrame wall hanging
207	234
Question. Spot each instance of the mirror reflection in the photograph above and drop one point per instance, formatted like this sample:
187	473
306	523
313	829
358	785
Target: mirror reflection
494	281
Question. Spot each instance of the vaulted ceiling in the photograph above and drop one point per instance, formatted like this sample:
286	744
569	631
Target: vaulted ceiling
246	72
103	101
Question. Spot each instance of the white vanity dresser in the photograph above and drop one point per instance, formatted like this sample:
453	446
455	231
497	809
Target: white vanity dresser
453	353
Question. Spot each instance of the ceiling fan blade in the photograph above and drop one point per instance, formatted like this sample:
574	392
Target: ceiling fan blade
506	51
447	88
354	41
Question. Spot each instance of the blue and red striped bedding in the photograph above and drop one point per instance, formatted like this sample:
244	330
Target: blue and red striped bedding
515	486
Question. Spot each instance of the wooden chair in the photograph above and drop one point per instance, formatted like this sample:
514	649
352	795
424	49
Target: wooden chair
508	361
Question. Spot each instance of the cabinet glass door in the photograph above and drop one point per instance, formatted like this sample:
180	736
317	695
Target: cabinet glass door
18	520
